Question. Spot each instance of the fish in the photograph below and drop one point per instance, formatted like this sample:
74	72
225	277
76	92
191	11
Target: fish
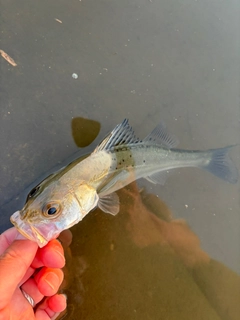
65	197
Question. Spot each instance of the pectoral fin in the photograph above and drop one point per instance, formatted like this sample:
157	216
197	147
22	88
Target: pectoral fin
109	203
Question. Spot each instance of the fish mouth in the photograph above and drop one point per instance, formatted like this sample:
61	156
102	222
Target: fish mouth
28	230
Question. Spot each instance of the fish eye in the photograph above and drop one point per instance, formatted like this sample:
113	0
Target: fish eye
51	210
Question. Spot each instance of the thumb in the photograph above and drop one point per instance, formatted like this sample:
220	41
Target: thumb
14	263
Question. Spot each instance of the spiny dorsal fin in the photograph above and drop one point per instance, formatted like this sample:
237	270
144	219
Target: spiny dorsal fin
121	134
160	136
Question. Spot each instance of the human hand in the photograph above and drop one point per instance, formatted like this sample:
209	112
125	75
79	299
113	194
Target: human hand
28	272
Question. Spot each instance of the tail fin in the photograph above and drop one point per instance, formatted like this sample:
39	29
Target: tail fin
221	165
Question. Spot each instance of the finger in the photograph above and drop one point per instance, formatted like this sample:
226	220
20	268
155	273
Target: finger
31	288
57	303
49	280
51	307
7	237
14	263
51	256
30	271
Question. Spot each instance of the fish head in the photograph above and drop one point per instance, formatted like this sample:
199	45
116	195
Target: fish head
50	210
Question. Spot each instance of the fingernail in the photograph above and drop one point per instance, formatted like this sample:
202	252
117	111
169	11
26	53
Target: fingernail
52	280
61	255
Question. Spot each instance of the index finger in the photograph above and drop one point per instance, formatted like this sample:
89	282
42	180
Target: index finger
51	255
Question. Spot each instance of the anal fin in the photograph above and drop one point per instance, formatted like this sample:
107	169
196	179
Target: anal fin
158	178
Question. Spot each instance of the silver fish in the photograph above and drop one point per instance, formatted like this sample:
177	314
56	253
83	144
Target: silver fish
65	197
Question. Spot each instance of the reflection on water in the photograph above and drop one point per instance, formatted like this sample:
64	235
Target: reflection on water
142	264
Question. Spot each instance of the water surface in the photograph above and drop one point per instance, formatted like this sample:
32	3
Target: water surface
149	61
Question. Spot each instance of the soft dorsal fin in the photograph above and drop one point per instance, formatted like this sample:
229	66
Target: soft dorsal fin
160	136
121	134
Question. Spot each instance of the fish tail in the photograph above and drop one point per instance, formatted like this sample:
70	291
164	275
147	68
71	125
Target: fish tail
221	165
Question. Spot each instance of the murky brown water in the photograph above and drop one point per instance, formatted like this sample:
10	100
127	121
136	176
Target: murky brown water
143	264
